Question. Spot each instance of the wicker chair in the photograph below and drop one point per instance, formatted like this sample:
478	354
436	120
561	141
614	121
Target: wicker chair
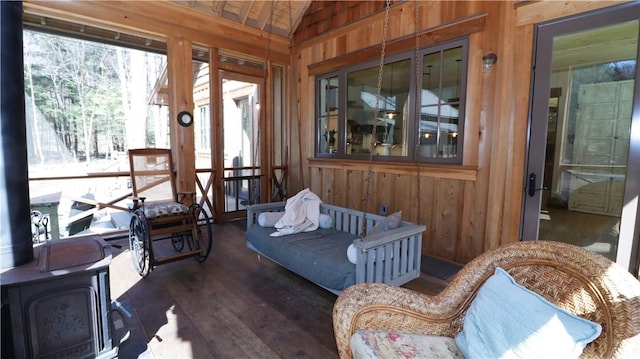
582	282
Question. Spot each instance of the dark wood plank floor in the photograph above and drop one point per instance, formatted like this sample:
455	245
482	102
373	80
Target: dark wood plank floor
232	306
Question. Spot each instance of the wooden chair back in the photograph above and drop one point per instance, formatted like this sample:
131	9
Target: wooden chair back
152	174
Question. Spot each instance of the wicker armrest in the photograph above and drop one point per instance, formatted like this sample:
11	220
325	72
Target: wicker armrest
383	307
581	282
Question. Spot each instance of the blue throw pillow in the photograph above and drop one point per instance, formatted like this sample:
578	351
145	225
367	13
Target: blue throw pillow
506	320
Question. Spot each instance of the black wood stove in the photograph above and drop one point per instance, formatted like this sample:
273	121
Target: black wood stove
60	305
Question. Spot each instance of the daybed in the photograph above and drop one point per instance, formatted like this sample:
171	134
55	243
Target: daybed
391	257
375	320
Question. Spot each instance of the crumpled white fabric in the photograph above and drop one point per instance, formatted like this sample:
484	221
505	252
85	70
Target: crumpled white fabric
301	214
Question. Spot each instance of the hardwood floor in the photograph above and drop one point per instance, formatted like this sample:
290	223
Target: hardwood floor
231	306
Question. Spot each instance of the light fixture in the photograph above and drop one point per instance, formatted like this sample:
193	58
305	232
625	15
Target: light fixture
488	61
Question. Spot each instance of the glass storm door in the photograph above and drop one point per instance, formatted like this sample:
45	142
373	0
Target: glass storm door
580	186
241	143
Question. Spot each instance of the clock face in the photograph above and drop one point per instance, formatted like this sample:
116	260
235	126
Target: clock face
185	118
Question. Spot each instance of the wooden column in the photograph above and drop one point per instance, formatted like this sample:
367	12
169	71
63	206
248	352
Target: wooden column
180	68
266	132
217	136
16	247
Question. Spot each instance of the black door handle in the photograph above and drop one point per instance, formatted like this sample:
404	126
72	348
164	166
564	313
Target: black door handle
532	184
531	188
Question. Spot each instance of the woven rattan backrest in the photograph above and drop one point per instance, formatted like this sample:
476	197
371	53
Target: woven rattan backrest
582	282
152	174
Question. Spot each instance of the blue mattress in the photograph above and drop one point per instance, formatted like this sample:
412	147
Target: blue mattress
320	256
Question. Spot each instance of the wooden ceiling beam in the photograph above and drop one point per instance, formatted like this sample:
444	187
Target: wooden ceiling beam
266	14
163	19
218	7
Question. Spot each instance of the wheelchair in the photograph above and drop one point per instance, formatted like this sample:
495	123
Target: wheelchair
163	229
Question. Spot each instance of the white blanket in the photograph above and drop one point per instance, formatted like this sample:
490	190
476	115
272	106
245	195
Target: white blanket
301	214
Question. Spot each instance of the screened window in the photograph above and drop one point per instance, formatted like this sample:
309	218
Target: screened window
205	127
353	121
328	115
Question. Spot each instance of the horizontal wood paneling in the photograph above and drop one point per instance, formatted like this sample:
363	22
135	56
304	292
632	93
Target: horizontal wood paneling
446	32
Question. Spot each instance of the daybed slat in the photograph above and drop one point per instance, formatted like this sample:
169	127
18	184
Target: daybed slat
388	275
396	263
369	270
380	261
360	265
404	262
412	251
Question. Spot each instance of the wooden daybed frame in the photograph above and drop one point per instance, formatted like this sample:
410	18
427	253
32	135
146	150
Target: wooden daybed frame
398	250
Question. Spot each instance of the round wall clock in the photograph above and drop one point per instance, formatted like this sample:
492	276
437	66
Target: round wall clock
185	119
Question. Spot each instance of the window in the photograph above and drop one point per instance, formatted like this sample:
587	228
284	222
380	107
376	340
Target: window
350	113
328	115
205	127
87	103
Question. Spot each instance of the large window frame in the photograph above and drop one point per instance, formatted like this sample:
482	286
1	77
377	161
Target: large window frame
339	133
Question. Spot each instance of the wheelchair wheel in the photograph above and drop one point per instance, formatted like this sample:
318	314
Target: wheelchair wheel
202	234
139	243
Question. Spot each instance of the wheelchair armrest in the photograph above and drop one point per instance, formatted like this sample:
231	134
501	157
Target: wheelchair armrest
181	196
137	202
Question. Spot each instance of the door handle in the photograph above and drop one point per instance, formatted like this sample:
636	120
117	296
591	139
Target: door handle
531	188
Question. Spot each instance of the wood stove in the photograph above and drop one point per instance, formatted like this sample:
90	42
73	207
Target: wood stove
60	305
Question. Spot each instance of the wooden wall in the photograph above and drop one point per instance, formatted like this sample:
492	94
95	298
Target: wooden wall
468	209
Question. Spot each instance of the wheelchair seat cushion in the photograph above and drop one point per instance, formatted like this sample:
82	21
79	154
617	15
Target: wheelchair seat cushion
164	208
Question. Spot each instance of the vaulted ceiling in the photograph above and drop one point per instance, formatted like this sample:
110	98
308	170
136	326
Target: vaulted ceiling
277	16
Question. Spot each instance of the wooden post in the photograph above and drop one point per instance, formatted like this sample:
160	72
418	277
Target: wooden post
266	132
180	68
217	138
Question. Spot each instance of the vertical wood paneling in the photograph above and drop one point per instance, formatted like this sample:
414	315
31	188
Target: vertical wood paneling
340	181
384	192
315	180
329	179
354	189
404	193
464	218
516	169
502	106
449	196
429	206
471	234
